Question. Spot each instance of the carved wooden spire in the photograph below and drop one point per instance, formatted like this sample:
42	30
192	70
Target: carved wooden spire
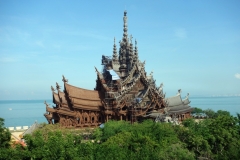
125	25
115	55
136	50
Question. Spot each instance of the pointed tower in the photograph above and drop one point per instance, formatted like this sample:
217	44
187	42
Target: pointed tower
115	55
135	59
125	34
115	60
124	48
130	55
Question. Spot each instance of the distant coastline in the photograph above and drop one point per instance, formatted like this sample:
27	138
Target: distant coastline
26	112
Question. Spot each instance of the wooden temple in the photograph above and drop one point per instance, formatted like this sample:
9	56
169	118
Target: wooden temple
123	91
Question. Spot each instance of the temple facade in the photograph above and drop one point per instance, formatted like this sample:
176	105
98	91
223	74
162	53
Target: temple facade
123	91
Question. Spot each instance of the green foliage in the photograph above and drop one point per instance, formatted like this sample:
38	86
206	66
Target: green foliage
5	138
210	113
6	151
197	111
147	140
222	113
114	127
217	137
5	135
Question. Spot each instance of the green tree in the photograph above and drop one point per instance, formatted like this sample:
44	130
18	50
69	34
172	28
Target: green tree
215	138
5	135
147	140
223	113
197	111
210	113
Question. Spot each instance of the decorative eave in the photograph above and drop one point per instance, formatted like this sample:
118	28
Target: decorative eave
90	103
183	111
62	97
51	110
56	99
65	112
102	81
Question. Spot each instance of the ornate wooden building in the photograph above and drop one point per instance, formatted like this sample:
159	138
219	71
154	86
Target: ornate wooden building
123	91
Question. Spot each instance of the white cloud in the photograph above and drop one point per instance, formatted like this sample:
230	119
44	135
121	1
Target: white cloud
237	75
180	33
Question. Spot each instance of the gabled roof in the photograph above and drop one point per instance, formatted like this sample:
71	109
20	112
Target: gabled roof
174	101
177	105
80	93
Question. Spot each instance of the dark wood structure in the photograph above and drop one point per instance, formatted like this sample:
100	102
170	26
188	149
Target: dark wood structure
123	91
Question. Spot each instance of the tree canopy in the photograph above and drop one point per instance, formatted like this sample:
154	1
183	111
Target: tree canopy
213	138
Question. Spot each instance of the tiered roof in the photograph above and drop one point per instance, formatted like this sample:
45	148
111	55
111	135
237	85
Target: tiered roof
123	89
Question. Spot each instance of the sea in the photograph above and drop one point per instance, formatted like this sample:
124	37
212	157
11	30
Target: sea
27	112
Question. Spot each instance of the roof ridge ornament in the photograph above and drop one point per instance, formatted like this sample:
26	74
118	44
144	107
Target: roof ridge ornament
57	86
187	95
96	70
64	79
161	85
45	102
52	88
160	88
179	92
151	73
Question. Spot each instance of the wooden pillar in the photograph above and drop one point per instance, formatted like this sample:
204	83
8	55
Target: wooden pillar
121	117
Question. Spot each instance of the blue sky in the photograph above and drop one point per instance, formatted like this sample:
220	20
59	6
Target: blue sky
192	45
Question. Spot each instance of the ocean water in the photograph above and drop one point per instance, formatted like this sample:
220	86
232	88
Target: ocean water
230	104
22	112
26	112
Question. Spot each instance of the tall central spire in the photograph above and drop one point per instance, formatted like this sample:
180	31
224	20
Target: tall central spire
124	49
125	25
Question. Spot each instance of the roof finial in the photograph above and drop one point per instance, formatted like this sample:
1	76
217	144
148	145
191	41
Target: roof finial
179	92
96	70
187	95
151	73
57	86
64	79
52	88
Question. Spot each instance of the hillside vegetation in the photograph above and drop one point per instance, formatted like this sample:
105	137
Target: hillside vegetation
213	138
